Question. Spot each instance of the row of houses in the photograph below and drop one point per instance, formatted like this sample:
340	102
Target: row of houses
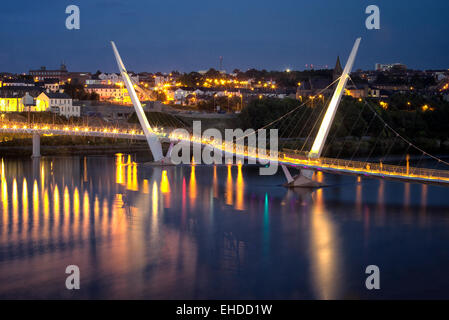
56	102
109	79
51	84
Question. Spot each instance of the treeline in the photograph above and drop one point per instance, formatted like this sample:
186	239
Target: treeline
358	124
282	78
77	92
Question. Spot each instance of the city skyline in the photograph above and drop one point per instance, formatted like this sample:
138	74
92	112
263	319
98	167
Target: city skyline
192	36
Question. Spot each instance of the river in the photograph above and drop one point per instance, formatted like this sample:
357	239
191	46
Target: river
214	232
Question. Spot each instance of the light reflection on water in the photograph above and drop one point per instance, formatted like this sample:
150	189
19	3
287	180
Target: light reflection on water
212	232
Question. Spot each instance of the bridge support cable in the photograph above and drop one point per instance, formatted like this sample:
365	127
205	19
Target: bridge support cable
335	136
305	125
287	129
300	123
318	118
354	124
293	134
363	135
320	139
375	145
405	140
305	176
152	139
285	115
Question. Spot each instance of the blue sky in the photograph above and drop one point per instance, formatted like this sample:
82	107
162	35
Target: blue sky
191	35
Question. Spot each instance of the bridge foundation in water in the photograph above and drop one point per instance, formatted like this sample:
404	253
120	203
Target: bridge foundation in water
36	146
302	180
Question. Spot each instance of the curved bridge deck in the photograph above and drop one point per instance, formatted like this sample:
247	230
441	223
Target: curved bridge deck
292	159
69	130
375	170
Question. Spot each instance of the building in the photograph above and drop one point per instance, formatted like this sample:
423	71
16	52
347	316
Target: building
20	90
161	80
112	93
338	70
111	78
62	75
51	84
11	103
76	78
180	96
319	85
57	102
390	67
18	83
29	103
41	74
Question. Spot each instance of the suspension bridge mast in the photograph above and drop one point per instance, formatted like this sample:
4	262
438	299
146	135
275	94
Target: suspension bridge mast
152	138
304	179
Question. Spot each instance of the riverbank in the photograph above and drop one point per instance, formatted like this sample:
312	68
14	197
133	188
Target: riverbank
15	151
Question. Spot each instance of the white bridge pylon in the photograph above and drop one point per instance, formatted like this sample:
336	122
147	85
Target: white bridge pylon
304	178
326	124
152	138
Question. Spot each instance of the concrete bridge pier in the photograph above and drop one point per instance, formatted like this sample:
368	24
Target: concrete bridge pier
302	180
36	146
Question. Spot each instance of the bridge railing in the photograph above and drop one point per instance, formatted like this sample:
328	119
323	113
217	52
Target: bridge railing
366	167
74	129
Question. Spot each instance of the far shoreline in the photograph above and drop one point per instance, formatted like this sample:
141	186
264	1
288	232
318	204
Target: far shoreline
70	150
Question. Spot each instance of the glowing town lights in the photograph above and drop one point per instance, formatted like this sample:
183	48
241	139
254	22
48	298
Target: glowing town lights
384	105
425	108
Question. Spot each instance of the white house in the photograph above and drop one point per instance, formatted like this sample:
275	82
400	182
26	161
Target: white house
180	95
57	102
112	78
108	92
52	85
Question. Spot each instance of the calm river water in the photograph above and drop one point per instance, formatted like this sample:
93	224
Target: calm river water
204	232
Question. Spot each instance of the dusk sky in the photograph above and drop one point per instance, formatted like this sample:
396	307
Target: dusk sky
191	35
